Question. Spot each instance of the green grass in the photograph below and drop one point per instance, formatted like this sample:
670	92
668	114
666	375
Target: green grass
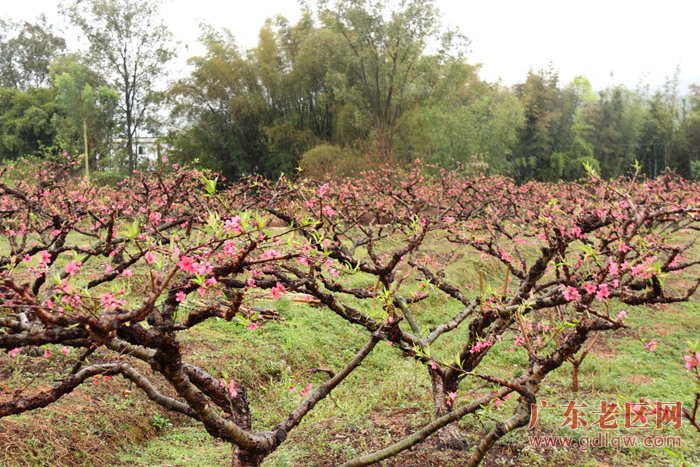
385	399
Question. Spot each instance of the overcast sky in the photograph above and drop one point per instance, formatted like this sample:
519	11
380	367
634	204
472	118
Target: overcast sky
609	41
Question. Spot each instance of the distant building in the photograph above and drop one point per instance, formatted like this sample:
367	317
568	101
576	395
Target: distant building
147	148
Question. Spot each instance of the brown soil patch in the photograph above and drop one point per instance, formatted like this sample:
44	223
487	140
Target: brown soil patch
603	350
639	379
81	429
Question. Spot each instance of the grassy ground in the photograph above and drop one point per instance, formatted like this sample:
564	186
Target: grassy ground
387	398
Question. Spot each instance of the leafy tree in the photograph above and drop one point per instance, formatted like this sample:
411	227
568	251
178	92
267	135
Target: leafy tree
26	121
693	130
465	122
383	58
90	110
656	137
663	141
26	51
549	116
615	122
224	109
256	112
128	41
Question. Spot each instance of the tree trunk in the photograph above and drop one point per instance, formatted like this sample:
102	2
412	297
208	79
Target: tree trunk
242	458
574	376
87	151
130	153
449	437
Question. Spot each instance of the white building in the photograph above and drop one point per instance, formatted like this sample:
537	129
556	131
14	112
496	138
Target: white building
146	148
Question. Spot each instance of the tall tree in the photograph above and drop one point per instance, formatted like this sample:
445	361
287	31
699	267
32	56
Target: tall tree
693	130
465	121
223	108
615	121
549	116
383	56
89	107
26	51
131	43
26	121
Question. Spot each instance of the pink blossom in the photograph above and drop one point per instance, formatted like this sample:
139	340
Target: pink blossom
590	287
277	290
623	247
603	292
230	248
575	232
47	353
614	268
187	265
180	296
72	267
127	273
253	326
108	269
691	361
306	390
505	256
155	217
65	350
323	190
651	346
451	396
570	294
150	257
481	345
233	225
621	315
233	392
14	352
44	258
204	268
270	254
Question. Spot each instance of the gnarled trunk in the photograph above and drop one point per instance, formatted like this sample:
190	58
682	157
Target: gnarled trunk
243	458
574	376
449	437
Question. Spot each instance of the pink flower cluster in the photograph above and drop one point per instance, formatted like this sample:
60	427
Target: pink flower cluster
278	290
692	360
571	294
481	345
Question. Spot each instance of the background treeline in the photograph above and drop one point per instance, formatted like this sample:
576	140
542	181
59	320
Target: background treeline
351	84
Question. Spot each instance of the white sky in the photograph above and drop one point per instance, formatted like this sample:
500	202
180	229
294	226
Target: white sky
637	41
